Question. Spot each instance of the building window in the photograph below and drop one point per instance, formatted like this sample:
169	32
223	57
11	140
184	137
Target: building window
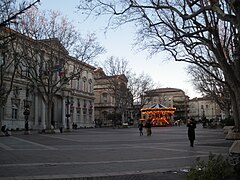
84	84
24	72
16	91
90	86
72	101
27	92
84	115
71	110
78	111
104	95
90	105
90	114
71	113
78	83
14	112
78	114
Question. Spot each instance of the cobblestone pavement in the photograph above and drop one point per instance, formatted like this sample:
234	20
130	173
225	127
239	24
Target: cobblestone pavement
106	153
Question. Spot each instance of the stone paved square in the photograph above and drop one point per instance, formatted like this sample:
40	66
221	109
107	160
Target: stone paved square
106	153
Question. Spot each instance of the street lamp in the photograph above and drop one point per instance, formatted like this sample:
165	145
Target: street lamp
203	113
26	113
2	63
68	111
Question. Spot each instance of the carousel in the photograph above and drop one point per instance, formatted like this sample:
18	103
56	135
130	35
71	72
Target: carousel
158	114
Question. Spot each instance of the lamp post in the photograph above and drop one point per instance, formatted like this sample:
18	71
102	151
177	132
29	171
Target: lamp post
68	111
203	113
2	63
26	113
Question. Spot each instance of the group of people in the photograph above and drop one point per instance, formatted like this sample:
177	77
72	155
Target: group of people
148	127
191	129
74	125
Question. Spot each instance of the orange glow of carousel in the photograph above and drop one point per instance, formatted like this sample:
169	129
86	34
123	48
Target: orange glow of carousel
158	114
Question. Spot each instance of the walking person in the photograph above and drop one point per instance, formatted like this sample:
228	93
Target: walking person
4	130
140	127
148	127
191	131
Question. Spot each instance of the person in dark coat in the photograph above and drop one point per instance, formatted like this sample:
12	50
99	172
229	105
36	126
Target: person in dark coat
148	127
191	131
140	127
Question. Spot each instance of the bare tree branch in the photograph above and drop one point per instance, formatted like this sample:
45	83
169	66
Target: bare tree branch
200	32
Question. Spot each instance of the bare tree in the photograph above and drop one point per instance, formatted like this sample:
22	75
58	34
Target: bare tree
87	49
52	24
136	84
48	69
215	88
116	66
8	59
191	31
48	66
10	12
117	71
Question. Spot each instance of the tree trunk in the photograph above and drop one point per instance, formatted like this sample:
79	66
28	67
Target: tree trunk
227	112
235	100
3	102
236	111
49	114
1	115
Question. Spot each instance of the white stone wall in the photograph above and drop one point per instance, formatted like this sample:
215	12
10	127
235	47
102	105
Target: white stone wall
75	90
204	107
16	101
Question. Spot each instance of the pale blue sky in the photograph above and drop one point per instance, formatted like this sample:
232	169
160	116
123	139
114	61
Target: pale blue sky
119	42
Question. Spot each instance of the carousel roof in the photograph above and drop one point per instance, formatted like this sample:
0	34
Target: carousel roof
154	106
158	107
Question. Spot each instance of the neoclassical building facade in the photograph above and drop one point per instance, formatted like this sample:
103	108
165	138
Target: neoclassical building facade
48	87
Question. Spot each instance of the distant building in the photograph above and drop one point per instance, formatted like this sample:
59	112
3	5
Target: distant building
204	107
113	100
169	97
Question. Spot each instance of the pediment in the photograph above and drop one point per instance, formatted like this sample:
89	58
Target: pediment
55	43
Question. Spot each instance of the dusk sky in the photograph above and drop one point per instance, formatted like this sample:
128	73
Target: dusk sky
119	43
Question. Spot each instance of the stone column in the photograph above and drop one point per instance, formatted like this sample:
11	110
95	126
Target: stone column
43	116
36	110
